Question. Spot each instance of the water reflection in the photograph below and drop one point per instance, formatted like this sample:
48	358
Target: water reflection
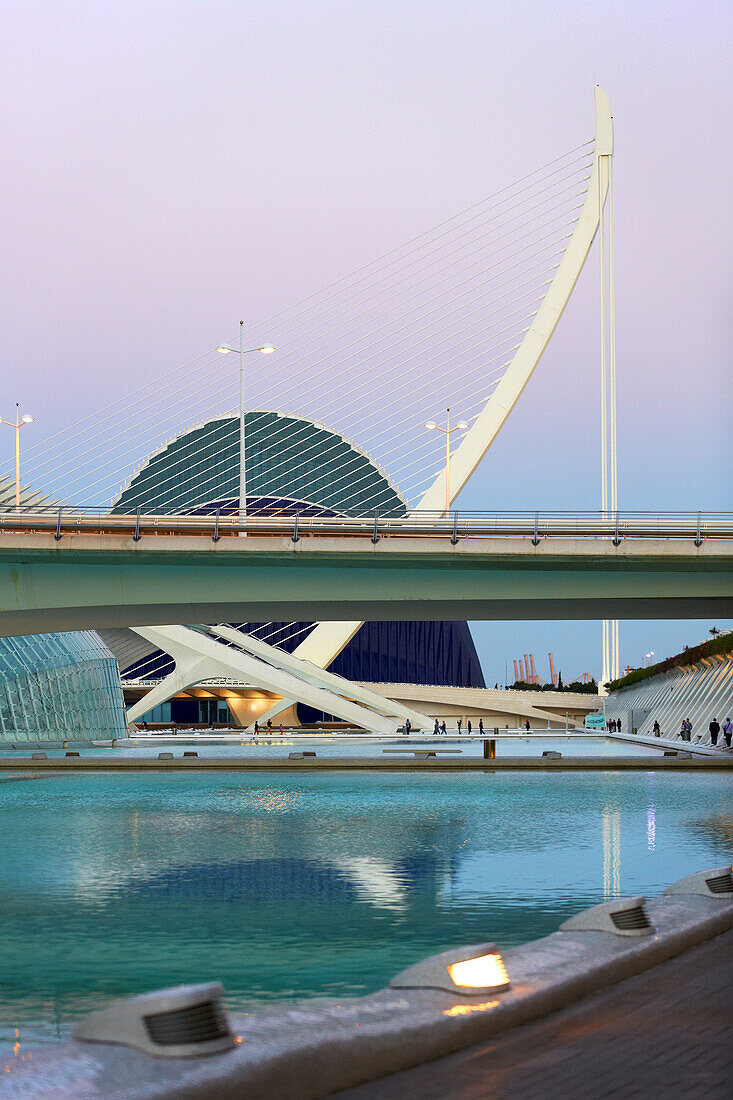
284	886
611	821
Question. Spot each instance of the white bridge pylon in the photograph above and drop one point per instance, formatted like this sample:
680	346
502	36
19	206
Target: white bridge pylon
328	639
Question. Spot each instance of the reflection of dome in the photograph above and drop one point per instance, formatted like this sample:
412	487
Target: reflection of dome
290	461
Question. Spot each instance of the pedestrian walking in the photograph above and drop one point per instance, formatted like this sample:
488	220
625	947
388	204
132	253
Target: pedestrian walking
469	725
688	729
281	727
458	724
442	727
408	727
269	725
657	731
257	728
714	729
526	725
481	725
436	728
728	731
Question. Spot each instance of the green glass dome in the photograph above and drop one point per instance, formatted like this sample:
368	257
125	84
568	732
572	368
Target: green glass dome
288	459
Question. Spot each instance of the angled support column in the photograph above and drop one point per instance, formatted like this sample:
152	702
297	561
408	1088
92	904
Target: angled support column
313	674
199	657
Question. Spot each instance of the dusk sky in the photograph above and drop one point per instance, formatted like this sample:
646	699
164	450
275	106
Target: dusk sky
172	167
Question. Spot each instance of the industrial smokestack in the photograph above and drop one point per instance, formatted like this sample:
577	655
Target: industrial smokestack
516	672
534	674
526	669
553	677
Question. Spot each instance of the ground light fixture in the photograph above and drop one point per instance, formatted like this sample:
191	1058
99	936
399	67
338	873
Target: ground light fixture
623	917
185	1022
468	971
716	883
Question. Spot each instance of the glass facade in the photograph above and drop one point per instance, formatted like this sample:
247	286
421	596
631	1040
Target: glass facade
59	687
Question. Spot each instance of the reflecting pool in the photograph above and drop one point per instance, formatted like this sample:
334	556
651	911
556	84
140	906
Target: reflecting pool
293	885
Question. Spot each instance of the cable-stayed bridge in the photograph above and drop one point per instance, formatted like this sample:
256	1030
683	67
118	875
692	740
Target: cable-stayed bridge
456	318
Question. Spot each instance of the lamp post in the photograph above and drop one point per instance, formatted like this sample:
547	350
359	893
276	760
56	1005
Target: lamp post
266	350
447	430
17	424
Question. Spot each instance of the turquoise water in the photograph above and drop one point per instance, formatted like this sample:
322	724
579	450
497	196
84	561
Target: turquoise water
297	885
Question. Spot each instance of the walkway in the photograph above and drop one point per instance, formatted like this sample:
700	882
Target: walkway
663	1034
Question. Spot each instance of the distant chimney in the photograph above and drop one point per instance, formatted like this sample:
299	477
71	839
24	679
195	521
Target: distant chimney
526	669
553	677
534	674
516	672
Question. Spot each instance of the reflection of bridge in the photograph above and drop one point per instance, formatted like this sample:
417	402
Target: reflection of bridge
109	580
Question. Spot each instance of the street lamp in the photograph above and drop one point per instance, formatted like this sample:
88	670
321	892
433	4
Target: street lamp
17	424
433	427
224	350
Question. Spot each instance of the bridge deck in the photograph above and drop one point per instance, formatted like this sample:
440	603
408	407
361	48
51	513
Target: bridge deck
98	581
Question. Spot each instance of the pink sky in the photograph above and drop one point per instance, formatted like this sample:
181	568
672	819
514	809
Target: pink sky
169	167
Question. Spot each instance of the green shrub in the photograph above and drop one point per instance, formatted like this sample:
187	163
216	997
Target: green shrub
722	644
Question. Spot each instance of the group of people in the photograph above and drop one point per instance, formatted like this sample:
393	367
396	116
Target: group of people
441	728
269	727
713	730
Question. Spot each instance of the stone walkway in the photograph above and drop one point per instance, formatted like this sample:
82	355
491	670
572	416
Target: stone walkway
664	1034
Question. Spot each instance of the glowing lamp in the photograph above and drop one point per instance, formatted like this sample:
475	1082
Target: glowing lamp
469	972
224	351
267	350
26	419
431	424
484	972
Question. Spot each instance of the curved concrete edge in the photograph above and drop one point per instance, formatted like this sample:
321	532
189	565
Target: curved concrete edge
114	765
318	1047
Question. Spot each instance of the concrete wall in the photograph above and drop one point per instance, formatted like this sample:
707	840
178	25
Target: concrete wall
700	692
497	706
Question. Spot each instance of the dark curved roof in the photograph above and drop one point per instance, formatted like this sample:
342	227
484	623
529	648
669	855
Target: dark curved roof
287	458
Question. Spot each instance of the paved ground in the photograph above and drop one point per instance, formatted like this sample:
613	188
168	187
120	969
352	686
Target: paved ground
661	1035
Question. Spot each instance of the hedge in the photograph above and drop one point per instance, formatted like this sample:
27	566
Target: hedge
722	644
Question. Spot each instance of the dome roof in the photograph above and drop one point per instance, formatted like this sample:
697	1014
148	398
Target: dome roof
290	460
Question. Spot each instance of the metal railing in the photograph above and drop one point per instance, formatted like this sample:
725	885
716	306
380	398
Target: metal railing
616	527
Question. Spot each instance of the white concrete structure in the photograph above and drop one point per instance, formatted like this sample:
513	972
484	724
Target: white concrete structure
199	657
280	660
700	691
